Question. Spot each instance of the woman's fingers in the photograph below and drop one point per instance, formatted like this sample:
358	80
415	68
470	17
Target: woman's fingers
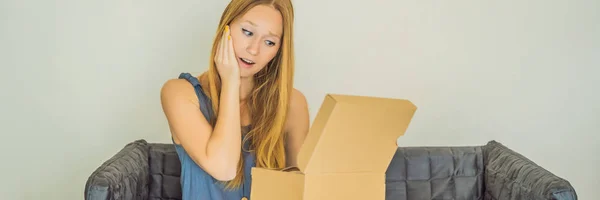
219	53
221	47
227	38
225	53
224	45
231	53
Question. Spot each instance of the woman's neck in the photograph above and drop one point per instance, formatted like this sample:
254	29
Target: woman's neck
246	86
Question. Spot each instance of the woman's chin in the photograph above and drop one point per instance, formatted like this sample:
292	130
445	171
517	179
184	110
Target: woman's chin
245	74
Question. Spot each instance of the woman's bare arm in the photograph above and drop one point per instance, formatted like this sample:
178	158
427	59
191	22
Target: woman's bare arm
297	126
217	150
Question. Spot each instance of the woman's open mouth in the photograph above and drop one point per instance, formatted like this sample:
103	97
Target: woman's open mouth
246	63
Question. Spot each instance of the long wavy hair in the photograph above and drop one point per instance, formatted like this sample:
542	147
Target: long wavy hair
269	100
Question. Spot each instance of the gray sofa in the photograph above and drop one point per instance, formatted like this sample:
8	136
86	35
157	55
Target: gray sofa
492	171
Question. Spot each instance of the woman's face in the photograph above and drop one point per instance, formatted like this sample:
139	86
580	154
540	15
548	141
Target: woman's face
256	38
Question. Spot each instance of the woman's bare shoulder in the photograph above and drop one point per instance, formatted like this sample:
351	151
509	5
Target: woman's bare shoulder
297	118
298	99
176	91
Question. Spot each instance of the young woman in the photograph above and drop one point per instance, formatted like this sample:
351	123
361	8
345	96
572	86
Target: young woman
243	112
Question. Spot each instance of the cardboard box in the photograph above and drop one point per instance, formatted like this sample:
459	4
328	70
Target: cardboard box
345	154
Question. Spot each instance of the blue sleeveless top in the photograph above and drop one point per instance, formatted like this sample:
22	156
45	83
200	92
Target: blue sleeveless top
196	184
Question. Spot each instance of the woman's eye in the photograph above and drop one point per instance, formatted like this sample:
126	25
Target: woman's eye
248	33
270	43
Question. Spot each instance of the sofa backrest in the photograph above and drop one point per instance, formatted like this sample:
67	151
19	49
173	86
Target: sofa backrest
144	170
414	173
436	173
165	170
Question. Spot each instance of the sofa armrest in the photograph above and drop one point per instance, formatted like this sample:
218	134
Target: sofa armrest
124	176
511	176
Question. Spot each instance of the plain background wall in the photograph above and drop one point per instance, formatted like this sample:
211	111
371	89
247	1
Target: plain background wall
80	79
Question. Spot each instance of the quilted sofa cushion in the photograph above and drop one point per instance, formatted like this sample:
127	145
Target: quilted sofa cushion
417	173
512	176
123	176
165	170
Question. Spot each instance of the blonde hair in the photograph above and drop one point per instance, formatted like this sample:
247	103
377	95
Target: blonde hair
270	97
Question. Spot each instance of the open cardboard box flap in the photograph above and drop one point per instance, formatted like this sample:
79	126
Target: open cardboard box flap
354	134
345	154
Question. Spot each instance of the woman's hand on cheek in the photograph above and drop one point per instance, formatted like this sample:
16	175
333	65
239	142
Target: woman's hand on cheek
225	59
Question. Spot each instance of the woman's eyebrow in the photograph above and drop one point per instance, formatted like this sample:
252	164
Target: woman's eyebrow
270	32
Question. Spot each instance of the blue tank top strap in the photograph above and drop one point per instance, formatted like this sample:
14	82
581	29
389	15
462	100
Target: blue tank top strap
205	103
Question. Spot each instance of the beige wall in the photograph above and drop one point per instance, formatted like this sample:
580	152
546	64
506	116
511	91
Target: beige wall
81	79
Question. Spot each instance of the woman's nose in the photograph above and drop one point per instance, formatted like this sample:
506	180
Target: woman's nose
253	47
